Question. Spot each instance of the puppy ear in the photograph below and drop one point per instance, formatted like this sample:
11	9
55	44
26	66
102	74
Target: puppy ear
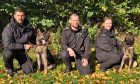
38	32
48	33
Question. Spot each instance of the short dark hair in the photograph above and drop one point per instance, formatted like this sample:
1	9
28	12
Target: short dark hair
19	9
73	13
106	18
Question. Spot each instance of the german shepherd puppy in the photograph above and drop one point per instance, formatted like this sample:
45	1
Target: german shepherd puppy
128	50
41	49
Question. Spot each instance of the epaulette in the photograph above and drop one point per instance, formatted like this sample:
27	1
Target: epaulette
8	25
66	29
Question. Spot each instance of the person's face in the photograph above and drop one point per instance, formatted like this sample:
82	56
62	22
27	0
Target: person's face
19	17
107	24
74	21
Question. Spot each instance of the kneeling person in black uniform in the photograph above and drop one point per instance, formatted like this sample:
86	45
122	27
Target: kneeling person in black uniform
108	49
75	45
16	37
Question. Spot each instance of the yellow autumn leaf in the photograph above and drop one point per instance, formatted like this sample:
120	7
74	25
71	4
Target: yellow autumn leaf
98	82
106	78
93	75
81	80
97	66
121	82
11	81
107	72
2	81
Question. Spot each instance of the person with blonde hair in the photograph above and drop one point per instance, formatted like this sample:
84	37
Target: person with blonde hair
108	50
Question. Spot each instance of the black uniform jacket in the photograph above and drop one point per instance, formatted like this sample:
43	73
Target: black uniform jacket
78	40
107	44
15	36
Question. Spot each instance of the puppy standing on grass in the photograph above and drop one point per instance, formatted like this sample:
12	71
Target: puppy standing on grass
128	49
41	49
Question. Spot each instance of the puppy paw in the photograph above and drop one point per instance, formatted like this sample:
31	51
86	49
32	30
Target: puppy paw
37	71
120	70
45	72
129	71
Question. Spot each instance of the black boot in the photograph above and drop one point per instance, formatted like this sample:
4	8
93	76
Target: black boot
103	69
68	65
10	72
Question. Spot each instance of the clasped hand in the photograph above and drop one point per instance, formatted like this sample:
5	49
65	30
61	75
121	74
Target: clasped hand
27	46
72	54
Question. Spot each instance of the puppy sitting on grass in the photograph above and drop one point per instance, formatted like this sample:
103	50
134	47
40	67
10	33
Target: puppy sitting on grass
128	49
41	49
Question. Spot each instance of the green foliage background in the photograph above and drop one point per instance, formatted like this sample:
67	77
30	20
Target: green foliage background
53	14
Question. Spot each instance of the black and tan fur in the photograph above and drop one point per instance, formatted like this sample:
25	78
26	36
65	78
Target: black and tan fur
41	49
128	50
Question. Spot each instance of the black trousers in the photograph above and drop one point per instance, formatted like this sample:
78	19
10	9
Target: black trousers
67	61
21	56
110	60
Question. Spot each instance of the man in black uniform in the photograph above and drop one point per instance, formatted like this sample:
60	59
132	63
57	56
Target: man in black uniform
75	45
16	37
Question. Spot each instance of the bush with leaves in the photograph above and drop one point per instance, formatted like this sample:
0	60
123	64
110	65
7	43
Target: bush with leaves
53	14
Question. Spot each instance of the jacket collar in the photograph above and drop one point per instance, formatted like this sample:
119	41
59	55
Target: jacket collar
78	30
25	23
110	33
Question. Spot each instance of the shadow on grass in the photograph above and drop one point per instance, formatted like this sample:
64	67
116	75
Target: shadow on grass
92	61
